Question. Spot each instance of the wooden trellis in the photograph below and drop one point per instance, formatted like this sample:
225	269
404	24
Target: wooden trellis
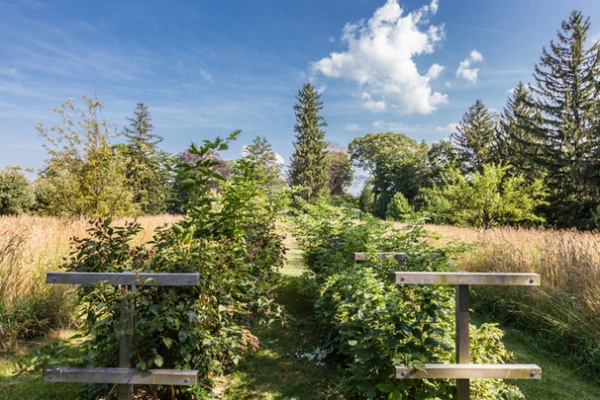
124	375
463	370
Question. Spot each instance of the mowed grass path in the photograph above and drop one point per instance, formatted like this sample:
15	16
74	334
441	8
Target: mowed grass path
287	365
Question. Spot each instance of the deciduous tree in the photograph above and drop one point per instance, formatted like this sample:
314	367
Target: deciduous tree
397	164
83	175
16	192
485	199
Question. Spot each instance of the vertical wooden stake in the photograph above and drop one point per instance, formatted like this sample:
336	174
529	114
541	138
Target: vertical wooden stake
462	338
125	391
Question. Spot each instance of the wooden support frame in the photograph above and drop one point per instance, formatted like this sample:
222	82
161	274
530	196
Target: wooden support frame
124	376
123	278
467	278
463	371
128	376
473	371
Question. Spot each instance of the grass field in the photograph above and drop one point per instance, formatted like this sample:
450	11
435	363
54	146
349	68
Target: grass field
288	363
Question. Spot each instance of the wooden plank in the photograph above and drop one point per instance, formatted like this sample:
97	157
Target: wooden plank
470	371
121	376
400	257
467	278
462	338
124	278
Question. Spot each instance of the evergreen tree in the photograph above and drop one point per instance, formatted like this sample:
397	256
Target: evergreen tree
308	169
566	95
260	153
146	173
474	139
516	145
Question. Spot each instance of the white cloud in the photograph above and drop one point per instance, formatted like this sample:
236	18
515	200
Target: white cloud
464	68
449	128
380	58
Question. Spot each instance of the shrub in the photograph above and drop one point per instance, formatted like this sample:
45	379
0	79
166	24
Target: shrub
373	323
398	208
227	236
16	193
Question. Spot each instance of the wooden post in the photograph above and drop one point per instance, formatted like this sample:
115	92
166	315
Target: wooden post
125	391
462	371
462	338
124	376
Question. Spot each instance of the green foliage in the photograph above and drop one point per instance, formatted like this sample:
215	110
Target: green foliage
308	169
485	199
16	193
398	208
146	173
339	169
473	140
373	323
566	96
84	175
367	197
396	163
261	154
227	236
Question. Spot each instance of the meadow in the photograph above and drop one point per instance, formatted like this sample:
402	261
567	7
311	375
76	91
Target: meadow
563	314
30	246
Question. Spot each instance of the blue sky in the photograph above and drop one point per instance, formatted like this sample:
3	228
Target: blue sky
208	67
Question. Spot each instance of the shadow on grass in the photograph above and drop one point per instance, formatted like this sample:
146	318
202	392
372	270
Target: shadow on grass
286	366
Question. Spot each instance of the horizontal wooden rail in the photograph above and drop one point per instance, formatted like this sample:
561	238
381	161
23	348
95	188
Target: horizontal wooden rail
400	257
467	278
470	371
124	278
130	376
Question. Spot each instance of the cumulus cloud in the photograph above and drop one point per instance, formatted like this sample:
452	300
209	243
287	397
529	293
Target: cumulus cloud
465	69
380	58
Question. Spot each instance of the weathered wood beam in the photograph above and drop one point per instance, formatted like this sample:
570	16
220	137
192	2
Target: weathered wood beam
124	278
467	278
121	376
470	371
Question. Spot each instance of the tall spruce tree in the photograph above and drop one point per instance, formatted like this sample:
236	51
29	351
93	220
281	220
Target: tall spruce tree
146	174
566	95
516	146
308	168
473	140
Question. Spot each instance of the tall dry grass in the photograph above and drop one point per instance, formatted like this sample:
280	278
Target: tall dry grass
565	310
30	246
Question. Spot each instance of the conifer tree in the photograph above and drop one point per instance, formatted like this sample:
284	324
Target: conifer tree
261	154
146	173
566	95
473	140
308	168
516	145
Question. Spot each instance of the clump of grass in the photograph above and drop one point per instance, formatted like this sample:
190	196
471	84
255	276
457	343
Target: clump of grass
565	311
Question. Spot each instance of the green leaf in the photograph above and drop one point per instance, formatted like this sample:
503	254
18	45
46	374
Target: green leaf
158	361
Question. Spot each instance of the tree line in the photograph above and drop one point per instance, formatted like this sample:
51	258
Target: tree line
537	161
